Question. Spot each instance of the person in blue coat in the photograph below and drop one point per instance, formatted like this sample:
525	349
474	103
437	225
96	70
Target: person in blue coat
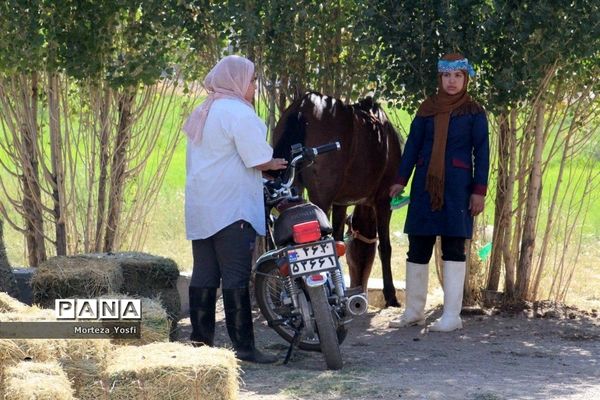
448	149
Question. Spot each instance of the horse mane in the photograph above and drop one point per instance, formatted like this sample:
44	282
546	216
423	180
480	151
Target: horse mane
372	112
369	107
294	122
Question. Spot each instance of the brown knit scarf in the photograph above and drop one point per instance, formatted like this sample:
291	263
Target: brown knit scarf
441	106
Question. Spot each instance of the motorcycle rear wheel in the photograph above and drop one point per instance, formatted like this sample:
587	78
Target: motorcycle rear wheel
323	315
268	287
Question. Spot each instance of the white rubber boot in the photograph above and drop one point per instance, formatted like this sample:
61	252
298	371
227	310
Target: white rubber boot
417	276
454	280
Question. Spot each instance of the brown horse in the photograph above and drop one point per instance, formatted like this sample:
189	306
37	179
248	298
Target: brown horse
360	173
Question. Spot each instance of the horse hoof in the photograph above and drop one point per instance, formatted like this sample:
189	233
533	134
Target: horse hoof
392	303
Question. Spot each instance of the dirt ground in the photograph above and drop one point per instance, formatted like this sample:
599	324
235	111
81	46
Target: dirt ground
531	355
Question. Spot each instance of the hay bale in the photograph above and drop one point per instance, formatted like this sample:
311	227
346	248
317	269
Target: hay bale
143	272
88	381
14	351
75	277
147	275
172	371
169	298
82	359
7	277
84	362
10	304
39	381
155	325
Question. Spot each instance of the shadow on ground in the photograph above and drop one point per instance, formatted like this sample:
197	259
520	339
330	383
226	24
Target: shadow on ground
492	358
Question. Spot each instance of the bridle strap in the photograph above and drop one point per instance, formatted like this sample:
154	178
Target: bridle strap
357	235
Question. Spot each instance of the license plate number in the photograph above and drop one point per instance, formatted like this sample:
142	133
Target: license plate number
312	258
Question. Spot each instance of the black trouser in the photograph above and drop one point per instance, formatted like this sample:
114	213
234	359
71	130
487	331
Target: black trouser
226	255
420	248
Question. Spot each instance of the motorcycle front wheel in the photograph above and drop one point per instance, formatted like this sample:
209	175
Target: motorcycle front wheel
270	291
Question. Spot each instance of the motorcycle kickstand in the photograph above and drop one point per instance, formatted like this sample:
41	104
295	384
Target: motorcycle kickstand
294	343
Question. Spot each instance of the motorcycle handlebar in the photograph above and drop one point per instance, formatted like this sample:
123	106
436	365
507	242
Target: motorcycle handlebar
326	148
308	153
311	152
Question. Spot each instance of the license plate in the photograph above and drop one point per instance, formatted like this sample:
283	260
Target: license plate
312	258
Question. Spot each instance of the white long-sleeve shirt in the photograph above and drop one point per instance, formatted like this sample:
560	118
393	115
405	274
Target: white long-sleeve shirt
222	185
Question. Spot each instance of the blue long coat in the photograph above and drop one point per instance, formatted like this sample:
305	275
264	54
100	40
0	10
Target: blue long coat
466	172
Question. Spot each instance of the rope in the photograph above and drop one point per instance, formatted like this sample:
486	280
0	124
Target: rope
357	235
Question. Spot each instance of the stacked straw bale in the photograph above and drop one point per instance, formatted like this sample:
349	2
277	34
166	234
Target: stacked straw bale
142	271
38	381
155	326
75	277
172	371
13	351
84	360
150	276
96	369
10	304
93	275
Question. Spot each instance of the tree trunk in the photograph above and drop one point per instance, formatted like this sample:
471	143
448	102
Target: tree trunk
549	225
8	283
119	166
338	83
509	264
58	173
104	159
503	202
283	92
522	291
470	288
32	198
271	104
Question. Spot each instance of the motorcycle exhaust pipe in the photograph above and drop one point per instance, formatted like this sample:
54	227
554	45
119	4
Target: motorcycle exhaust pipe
357	304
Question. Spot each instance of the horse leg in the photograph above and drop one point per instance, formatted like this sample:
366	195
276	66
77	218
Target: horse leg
359	257
361	249
353	261
384	215
338	217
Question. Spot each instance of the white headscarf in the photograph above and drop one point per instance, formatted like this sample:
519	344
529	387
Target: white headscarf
228	79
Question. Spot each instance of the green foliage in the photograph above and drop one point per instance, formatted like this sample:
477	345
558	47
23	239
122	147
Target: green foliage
122	42
512	43
341	48
204	24
21	37
524	38
305	45
413	35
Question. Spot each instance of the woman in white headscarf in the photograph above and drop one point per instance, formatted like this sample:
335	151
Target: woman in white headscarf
224	210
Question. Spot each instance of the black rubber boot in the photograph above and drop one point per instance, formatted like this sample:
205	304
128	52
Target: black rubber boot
202	315
238	316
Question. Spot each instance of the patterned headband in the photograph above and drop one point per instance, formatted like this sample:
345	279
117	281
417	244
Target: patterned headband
447	66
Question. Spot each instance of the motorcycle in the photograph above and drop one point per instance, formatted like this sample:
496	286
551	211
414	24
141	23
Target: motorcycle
299	283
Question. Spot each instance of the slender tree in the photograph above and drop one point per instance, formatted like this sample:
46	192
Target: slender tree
7	278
